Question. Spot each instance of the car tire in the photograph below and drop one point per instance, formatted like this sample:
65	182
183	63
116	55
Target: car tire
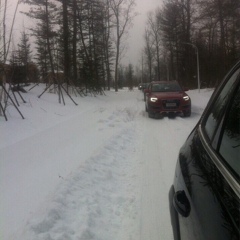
187	114
150	115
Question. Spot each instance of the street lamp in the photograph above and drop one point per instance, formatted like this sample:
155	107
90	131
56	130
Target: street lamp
198	76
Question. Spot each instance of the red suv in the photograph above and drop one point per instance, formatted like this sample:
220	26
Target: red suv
167	98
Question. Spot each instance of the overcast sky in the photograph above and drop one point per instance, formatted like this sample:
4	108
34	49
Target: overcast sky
135	40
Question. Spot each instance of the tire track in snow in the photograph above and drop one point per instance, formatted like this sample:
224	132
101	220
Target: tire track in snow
152	199
156	135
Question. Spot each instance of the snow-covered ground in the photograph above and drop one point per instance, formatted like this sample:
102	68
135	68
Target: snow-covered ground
100	170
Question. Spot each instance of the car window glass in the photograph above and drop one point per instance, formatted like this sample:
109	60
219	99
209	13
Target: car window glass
230	144
166	87
214	117
156	88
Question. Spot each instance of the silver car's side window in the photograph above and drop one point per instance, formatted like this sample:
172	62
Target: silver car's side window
214	118
230	142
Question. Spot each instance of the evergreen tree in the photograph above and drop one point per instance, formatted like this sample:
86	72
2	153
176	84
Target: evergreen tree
24	49
130	78
44	12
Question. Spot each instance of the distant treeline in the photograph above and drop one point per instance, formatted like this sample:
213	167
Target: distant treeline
82	40
179	28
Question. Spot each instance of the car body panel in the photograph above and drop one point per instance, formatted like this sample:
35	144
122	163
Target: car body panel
205	187
211	188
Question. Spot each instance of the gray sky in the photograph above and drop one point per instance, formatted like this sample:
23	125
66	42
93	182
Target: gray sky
135	41
136	38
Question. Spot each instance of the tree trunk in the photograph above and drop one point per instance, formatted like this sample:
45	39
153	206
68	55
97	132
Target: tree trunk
65	41
50	50
74	41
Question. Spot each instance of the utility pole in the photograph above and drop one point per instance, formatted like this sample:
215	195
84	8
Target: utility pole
142	70
198	75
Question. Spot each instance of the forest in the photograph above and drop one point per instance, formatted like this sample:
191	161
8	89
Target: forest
80	43
183	32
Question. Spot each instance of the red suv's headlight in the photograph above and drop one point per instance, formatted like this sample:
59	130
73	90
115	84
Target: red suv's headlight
153	99
186	98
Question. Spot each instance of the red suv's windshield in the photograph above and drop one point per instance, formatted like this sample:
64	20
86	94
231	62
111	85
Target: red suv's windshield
166	87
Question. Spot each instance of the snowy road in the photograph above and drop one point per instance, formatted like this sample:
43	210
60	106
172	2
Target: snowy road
101	170
161	140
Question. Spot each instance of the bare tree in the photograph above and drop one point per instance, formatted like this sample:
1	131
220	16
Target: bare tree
5	43
221	18
149	53
74	40
4	92
65	40
123	16
176	27
107	41
155	34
